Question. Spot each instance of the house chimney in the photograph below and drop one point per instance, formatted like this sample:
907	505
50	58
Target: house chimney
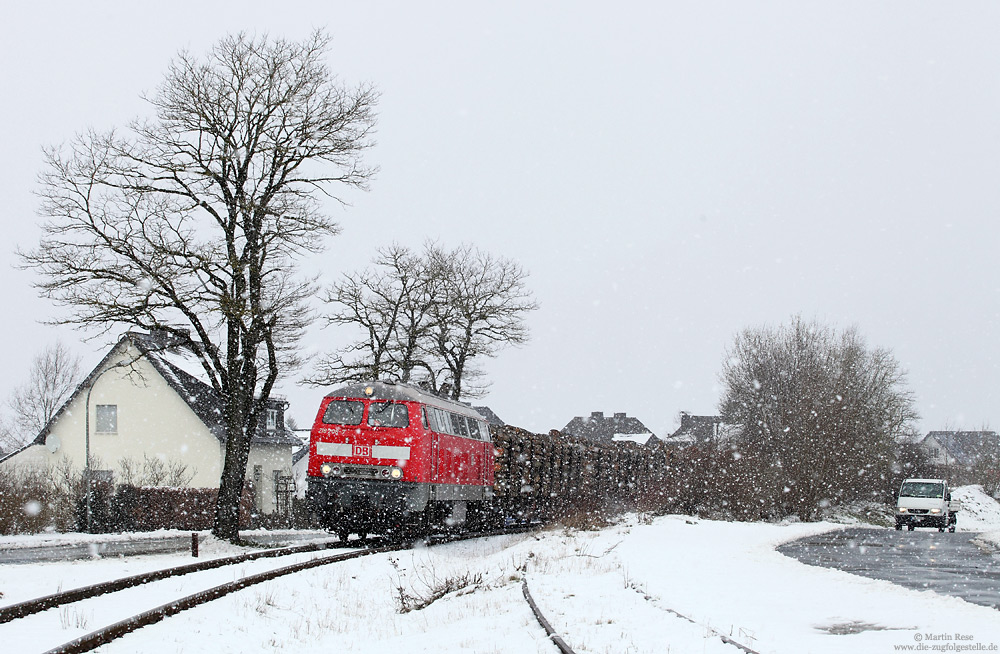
619	416
597	414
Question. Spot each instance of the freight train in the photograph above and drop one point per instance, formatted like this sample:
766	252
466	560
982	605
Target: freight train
393	458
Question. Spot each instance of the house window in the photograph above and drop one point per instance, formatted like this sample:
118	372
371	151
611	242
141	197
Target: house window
258	478
107	418
272	419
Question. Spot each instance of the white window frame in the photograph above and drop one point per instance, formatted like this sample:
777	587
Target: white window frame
101	426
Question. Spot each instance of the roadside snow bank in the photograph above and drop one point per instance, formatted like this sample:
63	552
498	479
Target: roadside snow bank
728	576
980	513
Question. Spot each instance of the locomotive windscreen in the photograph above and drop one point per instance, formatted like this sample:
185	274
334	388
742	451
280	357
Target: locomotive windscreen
343	412
388	414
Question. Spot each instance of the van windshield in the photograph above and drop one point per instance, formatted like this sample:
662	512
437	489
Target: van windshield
921	489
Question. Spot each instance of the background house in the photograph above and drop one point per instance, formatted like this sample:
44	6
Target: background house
698	430
964	456
606	429
144	408
491	417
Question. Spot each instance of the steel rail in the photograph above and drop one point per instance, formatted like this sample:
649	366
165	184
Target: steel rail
112	632
553	636
715	632
32	606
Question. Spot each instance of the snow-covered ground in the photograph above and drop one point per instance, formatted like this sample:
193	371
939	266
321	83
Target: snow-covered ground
980	513
669	584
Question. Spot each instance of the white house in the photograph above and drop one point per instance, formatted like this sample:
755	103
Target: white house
960	448
143	401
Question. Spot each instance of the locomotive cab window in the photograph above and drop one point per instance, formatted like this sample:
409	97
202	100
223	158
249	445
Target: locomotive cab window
459	428
474	430
388	414
343	412
438	420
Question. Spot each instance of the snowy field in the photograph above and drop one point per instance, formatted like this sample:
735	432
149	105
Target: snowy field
672	585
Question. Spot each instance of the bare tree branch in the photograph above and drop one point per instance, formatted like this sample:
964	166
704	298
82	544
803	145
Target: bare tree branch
428	318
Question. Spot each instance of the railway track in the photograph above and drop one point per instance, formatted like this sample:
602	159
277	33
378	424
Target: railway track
540	617
40	621
30	607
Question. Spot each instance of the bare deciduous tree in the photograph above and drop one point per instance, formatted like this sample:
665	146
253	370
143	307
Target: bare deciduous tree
54	375
192	222
484	301
427	318
390	303
821	413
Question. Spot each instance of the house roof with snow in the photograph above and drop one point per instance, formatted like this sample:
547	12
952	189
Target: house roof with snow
300	454
640	439
606	429
491	418
200	397
965	447
701	429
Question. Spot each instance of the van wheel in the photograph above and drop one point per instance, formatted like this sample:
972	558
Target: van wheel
951	529
941	530
899	526
910	527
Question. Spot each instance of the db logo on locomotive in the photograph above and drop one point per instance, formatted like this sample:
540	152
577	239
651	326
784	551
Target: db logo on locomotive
363	450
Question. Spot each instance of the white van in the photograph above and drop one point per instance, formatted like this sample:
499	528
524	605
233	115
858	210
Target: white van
926	503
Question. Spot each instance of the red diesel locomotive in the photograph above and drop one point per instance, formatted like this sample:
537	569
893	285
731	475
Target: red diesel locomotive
392	458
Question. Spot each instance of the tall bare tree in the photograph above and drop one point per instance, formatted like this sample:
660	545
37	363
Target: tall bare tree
54	375
192	221
482	308
390	302
429	317
821	412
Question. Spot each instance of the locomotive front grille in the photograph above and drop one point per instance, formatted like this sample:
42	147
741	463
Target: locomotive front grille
351	471
363	472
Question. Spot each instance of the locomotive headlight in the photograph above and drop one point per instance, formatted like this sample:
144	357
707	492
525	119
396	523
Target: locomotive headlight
325	469
396	473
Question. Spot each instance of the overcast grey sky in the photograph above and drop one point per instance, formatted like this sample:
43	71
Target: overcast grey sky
669	172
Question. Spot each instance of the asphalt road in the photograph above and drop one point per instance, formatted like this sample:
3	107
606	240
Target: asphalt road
950	564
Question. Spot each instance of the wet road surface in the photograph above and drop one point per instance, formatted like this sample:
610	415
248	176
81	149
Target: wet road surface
950	564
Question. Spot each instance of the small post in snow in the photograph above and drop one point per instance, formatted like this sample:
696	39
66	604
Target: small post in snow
194	544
